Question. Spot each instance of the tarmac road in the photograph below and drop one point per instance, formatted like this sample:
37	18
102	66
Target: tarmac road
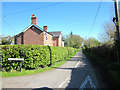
75	73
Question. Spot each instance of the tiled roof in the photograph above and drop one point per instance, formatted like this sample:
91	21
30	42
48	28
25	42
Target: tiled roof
56	33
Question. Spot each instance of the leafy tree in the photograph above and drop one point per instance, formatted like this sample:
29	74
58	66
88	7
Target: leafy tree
6	40
74	41
90	42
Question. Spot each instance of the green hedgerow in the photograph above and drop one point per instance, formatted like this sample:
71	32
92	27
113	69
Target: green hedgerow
34	56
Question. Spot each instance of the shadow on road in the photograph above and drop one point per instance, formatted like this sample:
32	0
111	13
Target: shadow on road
43	88
79	74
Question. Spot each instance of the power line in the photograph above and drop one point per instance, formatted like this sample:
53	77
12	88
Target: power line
34	8
8	24
94	18
27	11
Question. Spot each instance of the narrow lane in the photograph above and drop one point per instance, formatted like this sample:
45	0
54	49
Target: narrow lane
83	75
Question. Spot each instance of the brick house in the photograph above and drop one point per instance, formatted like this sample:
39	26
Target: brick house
57	38
35	35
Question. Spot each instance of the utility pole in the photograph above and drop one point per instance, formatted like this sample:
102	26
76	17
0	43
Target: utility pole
117	29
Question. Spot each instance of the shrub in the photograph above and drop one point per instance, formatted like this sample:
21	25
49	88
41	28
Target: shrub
34	56
106	51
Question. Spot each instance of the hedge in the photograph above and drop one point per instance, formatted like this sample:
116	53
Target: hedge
106	51
34	56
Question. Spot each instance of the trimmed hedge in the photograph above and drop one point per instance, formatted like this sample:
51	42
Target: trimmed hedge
34	56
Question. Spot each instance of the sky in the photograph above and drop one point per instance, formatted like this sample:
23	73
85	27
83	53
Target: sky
77	17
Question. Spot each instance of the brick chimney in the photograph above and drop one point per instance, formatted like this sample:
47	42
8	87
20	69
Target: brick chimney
45	28
33	19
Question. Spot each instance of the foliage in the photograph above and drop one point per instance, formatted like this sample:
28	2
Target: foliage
35	71
109	33
90	42
110	69
74	41
34	56
108	39
6	40
106	51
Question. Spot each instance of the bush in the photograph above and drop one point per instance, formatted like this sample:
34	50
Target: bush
34	56
106	51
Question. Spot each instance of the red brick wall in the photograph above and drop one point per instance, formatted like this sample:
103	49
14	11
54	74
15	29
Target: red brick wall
19	39
35	37
55	41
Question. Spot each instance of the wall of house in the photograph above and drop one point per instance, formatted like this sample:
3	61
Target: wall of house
19	39
33	36
55	41
48	39
60	41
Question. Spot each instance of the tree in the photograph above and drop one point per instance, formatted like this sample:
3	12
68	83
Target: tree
90	42
6	40
74	41
71	33
109	33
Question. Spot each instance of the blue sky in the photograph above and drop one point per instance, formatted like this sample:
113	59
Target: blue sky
58	16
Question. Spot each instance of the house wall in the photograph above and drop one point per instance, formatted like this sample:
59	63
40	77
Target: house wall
55	41
19	39
49	40
60	41
33	36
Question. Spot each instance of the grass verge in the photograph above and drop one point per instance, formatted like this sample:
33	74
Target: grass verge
111	70
39	70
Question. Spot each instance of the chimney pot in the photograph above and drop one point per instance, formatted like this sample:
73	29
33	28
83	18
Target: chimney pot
32	15
33	20
45	28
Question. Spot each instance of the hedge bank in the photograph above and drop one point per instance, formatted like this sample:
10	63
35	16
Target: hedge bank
34	56
106	51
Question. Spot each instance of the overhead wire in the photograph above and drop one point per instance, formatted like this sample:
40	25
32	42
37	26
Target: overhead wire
95	18
8	24
24	11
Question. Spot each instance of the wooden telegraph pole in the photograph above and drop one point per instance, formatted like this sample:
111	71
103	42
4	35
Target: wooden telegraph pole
117	28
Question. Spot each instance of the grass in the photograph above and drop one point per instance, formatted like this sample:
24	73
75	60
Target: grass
39	70
111	68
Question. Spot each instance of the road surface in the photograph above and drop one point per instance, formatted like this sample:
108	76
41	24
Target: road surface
75	73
